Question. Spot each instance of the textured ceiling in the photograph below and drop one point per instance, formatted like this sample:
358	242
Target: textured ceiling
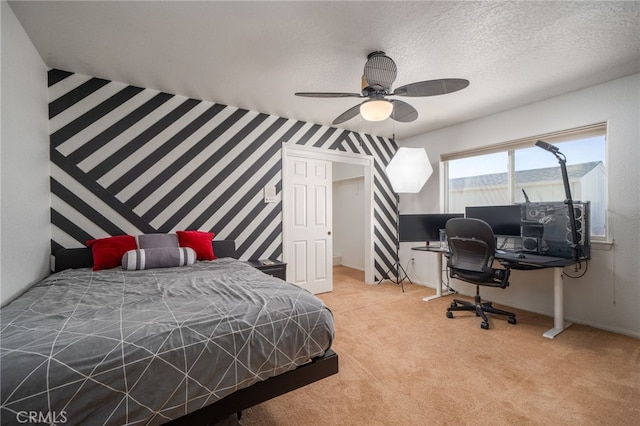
255	55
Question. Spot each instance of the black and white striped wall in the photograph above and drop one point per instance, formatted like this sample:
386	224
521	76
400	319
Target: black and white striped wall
126	159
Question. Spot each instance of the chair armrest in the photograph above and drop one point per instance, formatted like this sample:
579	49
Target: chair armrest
503	275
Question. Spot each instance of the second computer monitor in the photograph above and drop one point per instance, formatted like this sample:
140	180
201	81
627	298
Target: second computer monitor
423	227
504	220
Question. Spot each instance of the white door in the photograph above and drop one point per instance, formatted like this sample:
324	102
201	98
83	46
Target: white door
311	244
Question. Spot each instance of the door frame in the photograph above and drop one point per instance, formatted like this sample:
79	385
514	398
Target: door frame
290	151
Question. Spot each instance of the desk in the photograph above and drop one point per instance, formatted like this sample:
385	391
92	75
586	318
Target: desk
440	292
528	262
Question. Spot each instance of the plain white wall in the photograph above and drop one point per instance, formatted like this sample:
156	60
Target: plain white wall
348	211
608	296
348	224
25	231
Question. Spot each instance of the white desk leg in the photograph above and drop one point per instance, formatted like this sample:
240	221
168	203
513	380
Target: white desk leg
559	325
439	292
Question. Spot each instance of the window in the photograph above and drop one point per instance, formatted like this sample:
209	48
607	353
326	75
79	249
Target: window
519	171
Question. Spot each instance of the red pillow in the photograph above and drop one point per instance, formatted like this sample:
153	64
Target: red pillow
200	241
108	252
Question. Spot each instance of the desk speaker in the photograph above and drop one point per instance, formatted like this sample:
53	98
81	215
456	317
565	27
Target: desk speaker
532	233
531	244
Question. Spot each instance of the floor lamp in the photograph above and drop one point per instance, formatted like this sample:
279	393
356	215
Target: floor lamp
575	246
408	171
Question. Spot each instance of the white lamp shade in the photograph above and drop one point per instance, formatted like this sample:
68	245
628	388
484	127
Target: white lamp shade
376	110
409	170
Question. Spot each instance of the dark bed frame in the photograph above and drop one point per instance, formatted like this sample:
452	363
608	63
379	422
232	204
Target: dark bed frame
317	369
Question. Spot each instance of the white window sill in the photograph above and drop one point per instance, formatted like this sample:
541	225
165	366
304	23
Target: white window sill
602	245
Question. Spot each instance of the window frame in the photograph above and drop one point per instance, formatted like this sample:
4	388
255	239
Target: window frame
582	132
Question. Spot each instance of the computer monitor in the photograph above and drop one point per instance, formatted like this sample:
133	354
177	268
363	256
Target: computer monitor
423	227
504	220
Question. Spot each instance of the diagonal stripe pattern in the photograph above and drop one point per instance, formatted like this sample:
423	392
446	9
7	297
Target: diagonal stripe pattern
126	159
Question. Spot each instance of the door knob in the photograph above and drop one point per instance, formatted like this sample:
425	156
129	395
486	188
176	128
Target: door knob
329	233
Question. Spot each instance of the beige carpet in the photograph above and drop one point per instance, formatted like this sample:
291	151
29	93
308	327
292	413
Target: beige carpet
402	362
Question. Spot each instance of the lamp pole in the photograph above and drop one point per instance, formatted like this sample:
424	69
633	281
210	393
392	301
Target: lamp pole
397	265
407	172
575	246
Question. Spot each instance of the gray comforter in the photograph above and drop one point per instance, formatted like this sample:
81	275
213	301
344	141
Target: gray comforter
143	347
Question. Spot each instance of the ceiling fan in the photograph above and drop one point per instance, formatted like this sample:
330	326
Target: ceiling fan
379	74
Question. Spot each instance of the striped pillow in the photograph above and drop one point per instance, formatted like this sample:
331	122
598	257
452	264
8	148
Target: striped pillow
163	257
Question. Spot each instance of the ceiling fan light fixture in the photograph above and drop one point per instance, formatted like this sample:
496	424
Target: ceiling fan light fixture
376	110
379	74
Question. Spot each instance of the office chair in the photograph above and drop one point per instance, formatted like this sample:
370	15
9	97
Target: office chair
472	246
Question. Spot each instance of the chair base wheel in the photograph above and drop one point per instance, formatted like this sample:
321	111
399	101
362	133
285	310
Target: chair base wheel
480	309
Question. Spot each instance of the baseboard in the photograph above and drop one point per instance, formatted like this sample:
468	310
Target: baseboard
358	268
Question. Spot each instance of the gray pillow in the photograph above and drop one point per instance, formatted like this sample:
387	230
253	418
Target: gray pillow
162	257
146	241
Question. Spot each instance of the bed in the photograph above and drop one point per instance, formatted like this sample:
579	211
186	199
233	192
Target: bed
180	345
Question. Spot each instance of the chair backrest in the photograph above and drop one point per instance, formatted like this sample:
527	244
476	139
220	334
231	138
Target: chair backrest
472	247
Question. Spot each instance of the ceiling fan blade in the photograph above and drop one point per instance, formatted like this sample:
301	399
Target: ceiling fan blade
347	115
380	70
403	112
432	87
328	95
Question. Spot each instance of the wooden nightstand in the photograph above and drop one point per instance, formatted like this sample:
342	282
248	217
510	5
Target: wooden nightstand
273	267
